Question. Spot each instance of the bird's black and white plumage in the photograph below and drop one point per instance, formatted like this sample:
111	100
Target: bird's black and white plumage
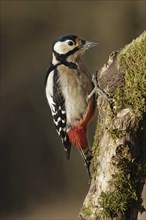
68	84
57	106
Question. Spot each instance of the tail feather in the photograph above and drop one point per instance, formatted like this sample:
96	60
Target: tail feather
87	157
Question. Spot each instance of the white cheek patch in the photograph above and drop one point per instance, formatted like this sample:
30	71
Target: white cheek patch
62	47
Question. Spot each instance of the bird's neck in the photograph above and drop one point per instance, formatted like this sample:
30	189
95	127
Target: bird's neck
70	59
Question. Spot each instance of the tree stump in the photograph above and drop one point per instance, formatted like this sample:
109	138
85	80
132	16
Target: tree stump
118	167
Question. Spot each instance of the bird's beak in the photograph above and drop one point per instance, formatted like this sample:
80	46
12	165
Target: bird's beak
88	44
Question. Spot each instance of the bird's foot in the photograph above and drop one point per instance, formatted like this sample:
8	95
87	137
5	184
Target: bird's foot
97	89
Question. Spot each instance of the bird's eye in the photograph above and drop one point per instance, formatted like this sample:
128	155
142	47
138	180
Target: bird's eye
70	43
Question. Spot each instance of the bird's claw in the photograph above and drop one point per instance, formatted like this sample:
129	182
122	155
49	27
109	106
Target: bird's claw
97	89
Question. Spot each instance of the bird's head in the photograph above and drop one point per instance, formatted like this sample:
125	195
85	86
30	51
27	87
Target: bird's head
70	48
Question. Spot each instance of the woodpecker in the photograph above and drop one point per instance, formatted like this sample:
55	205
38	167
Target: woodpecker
68	85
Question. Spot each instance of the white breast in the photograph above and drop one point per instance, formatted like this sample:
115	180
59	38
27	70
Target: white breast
75	94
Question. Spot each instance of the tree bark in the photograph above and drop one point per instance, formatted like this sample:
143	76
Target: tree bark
118	167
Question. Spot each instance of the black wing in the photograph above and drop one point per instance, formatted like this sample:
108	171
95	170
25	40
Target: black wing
59	114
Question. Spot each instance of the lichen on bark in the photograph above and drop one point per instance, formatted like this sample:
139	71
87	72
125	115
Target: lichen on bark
118	166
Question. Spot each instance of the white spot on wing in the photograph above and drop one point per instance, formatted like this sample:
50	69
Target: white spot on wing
63	111
65	138
57	121
58	131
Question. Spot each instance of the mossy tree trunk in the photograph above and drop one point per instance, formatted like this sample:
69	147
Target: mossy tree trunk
118	167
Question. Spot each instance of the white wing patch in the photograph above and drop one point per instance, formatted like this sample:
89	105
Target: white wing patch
49	91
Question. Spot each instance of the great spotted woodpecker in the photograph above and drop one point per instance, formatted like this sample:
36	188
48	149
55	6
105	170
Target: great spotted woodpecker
68	85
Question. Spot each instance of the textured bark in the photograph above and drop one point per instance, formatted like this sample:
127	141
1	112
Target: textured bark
118	167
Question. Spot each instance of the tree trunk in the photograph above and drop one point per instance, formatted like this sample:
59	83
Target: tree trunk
118	167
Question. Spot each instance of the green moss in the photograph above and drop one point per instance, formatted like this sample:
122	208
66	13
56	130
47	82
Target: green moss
95	148
123	186
116	202
116	133
86	212
132	61
122	190
98	134
119	199
95	152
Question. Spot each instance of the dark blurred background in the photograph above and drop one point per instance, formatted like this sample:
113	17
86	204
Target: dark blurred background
36	179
